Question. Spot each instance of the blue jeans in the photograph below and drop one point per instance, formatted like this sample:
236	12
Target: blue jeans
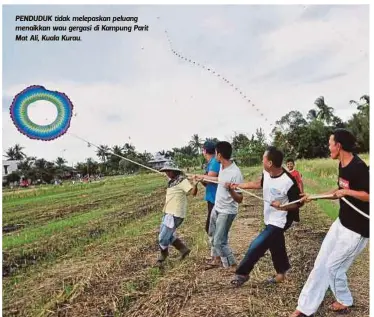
219	228
271	238
167	235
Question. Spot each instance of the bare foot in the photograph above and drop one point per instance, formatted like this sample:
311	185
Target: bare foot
279	278
337	307
298	313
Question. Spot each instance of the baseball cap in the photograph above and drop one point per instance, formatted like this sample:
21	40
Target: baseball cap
209	146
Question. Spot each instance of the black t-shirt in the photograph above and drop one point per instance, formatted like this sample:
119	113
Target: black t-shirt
354	176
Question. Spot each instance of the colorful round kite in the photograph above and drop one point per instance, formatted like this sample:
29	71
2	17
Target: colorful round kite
18	112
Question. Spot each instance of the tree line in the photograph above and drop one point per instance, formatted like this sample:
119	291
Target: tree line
297	136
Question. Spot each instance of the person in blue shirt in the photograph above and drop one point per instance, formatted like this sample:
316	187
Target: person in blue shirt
212	169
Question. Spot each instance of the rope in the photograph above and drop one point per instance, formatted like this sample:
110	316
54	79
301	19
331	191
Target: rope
355	208
115	154
239	189
329	196
216	182
311	198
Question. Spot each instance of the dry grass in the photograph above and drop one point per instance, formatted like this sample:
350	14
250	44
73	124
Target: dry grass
115	275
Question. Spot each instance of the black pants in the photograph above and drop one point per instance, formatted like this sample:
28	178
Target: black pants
210	207
271	238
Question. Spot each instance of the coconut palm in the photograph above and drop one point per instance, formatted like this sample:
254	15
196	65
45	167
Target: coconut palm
19	154
196	143
364	105
312	115
15	153
10	154
103	152
60	162
41	163
325	112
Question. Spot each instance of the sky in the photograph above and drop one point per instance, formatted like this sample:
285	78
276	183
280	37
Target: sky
129	87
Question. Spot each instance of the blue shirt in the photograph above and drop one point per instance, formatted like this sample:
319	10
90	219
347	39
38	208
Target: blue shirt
211	188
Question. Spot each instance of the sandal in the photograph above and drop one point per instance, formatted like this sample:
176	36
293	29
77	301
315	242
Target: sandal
239	280
338	308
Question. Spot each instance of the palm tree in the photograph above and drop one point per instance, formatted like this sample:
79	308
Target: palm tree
102	152
19	154
41	163
363	106
15	153
60	162
366	98
128	148
117	149
195	143
312	115
115	159
325	112
10	154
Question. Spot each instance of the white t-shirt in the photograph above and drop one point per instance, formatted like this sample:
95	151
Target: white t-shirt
224	202
282	188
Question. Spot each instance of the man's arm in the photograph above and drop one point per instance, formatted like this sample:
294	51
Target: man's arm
194	189
210	174
301	187
189	187
293	194
360	183
360	195
330	193
250	185
206	177
238	197
293	207
301	184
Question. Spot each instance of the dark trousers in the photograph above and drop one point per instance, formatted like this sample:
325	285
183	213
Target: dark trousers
271	238
210	207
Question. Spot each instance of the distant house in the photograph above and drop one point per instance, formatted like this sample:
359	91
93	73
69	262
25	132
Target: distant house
9	167
158	161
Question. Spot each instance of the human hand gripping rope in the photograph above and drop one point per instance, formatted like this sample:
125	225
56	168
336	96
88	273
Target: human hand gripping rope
309	198
192	176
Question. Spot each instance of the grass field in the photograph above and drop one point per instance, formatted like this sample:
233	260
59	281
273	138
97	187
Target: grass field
89	250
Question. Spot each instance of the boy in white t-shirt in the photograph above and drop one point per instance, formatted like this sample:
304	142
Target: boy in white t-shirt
279	188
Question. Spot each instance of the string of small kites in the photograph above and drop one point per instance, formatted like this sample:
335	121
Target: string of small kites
215	73
222	77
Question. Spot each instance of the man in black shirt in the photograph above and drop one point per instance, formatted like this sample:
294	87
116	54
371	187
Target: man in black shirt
348	235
